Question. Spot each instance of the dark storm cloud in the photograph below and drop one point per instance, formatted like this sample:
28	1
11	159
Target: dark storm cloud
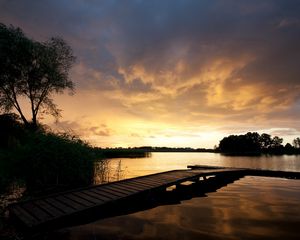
134	46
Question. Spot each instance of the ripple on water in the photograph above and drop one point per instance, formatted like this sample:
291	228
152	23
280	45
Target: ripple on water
250	208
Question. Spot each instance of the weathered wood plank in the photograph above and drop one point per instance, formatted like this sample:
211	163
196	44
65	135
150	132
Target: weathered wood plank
70	203
61	206
147	181
151	182
165	177
142	185
74	197
120	189
85	197
105	194
97	195
130	187
24	216
54	212
36	211
110	193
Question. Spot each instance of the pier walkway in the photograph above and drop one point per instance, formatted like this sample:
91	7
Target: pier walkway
46	211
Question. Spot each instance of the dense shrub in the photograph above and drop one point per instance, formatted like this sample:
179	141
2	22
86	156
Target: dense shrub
5	175
48	160
11	130
44	160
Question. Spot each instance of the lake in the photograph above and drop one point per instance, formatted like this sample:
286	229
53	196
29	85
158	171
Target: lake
158	162
249	208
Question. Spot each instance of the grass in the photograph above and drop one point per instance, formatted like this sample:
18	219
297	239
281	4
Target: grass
51	160
44	160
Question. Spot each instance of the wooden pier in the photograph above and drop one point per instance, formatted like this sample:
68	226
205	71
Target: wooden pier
53	210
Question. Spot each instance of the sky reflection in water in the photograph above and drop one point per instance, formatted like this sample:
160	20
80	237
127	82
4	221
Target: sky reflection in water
250	208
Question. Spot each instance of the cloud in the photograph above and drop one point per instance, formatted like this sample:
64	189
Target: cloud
103	130
285	132
200	63
289	22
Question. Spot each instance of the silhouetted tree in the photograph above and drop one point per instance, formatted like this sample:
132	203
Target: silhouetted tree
276	142
34	70
253	143
296	142
248	143
289	149
265	141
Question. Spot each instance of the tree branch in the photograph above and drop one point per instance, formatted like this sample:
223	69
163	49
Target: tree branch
14	102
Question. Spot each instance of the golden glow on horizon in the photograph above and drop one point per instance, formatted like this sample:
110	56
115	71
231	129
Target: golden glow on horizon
167	75
172	117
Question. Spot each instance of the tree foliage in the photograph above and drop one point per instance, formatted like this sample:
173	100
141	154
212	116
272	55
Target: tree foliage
254	143
296	142
34	70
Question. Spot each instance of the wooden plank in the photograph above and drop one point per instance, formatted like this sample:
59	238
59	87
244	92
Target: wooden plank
59	205
166	180
36	211
169	179
70	203
110	193
93	200
148	182
24	216
105	194
74	197
181	174
129	187
96	195
142	185
145	181
54	212
164	177
120	189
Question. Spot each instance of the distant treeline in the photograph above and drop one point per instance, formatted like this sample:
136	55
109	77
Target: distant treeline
122	152
142	151
253	143
177	149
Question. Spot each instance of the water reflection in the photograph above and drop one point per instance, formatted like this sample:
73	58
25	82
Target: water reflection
250	208
109	170
158	162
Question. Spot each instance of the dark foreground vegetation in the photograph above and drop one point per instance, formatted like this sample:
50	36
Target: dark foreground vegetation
42	162
41	159
39	162
253	143
47	161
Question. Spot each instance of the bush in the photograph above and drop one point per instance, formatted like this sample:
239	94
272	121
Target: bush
4	176
7	175
11	130
49	160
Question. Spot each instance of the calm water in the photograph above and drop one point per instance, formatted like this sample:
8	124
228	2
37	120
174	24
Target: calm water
159	162
249	208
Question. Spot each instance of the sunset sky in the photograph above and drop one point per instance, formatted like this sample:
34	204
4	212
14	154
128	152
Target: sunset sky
172	72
